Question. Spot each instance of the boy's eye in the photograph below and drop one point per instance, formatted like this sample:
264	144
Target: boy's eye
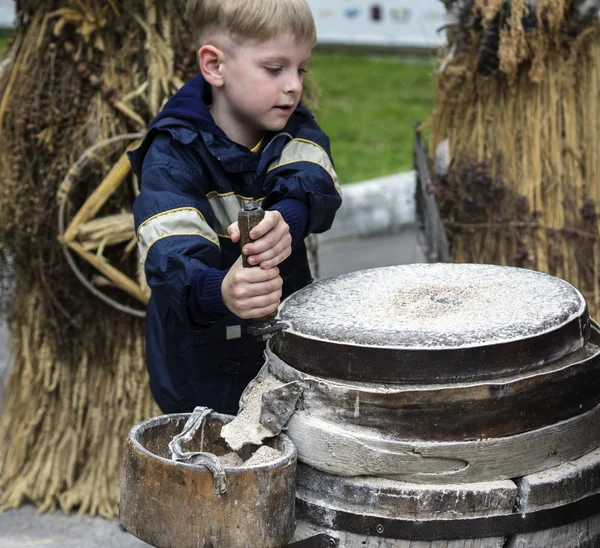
302	71
273	70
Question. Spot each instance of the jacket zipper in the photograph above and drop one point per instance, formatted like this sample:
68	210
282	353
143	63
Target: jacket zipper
282	134
273	139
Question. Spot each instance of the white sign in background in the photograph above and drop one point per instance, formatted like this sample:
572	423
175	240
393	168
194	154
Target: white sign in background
399	23
7	13
356	22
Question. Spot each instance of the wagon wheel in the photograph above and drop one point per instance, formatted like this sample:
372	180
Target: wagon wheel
86	232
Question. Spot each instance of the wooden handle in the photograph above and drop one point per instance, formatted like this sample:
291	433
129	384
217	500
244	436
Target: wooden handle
248	218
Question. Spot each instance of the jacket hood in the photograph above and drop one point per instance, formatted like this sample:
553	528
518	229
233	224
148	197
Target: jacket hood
189	106
186	110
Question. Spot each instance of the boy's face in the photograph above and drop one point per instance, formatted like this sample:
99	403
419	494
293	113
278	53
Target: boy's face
262	84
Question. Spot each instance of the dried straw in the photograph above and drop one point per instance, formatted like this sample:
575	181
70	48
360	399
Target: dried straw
62	437
78	382
534	125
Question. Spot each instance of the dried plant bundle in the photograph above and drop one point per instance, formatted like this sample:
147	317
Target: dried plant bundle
520	111
77	74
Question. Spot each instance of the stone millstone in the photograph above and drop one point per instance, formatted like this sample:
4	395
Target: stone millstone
433	306
432	315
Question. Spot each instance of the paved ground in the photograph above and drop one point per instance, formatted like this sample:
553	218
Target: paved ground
23	528
341	256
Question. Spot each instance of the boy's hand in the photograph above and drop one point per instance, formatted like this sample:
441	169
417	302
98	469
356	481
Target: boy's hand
251	292
273	243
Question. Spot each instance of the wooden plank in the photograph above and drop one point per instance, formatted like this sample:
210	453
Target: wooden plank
349	540
402	500
487	409
561	485
436	243
557	486
333	448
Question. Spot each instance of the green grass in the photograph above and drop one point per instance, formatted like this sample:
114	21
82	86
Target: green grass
369	106
4	37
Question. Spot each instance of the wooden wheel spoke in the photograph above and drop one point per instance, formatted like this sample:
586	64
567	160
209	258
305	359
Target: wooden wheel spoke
88	236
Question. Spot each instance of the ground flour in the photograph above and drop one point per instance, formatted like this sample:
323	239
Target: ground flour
432	306
231	460
263	455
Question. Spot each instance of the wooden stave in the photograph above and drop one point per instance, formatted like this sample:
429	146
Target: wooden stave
399	499
335	450
580	534
488	409
397	365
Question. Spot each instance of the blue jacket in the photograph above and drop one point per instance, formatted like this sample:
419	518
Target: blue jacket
193	182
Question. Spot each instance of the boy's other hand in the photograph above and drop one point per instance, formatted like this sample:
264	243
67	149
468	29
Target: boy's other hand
273	243
251	292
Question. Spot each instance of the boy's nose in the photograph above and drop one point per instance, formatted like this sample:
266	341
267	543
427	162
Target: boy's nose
294	84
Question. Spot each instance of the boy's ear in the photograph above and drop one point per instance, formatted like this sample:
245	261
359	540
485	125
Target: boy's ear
210	59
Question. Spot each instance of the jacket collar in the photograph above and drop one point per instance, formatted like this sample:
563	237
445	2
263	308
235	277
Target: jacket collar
188	110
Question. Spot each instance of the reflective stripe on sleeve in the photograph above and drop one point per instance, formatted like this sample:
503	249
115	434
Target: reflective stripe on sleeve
225	209
301	150
185	221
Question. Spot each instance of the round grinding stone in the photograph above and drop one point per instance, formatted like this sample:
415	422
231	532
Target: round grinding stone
431	322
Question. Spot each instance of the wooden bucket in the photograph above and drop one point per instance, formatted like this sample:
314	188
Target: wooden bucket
173	505
414	429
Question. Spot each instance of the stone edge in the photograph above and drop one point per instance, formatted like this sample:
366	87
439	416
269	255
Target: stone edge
375	206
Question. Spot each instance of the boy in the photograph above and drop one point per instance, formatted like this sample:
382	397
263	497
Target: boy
235	133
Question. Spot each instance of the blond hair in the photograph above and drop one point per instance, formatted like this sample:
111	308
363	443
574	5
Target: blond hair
251	19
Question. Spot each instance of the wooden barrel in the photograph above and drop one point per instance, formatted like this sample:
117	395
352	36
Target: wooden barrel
449	433
170	504
427	389
558	508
